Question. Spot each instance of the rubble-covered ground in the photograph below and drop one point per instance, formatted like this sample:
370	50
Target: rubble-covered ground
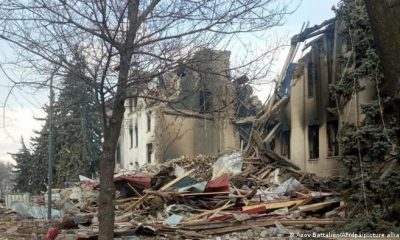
205	197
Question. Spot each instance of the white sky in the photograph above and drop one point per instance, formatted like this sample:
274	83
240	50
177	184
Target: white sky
22	107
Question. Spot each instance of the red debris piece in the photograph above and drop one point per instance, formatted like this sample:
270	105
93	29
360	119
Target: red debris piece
220	184
52	233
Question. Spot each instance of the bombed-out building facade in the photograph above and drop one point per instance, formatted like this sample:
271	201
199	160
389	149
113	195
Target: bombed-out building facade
310	123
211	113
197	119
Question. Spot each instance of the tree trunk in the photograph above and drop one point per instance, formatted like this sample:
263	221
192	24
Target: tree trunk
107	191
384	17
107	164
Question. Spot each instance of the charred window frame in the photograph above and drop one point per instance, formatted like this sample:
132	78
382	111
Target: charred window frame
313	141
333	144
149	148
205	101
285	144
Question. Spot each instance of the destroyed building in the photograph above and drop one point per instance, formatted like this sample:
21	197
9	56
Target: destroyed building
197	119
300	124
210	114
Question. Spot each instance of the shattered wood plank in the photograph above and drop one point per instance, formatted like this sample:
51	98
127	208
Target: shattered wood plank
280	159
214	211
278	107
304	202
273	205
308	32
275	109
265	173
165	187
170	184
137	203
258	140
318	206
136	192
271	135
246	202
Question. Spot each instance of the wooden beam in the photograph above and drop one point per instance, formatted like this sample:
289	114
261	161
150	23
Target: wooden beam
318	206
304	202
170	184
257	138
272	133
274	205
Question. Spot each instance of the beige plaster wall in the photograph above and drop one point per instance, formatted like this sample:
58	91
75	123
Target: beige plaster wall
192	136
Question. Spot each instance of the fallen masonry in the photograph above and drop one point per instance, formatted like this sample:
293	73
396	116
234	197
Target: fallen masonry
195	198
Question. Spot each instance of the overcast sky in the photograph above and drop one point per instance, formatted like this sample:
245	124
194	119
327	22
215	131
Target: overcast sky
23	106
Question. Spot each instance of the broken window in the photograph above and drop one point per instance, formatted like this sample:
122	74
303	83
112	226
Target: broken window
148	121
285	144
118	157
149	152
136	136
313	141
332	131
131	136
205	101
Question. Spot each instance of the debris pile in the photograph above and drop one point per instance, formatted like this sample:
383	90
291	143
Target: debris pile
178	199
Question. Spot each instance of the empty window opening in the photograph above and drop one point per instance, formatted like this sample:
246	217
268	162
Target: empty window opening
149	152
130	100
131	136
118	157
148	121
135	101
136	136
285	144
332	131
313	141
205	101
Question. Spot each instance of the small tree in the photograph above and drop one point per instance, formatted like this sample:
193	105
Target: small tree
23	180
120	38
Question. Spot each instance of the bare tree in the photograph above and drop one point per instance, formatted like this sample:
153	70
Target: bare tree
121	40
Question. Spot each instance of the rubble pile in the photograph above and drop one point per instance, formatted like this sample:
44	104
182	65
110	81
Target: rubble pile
176	199
13	226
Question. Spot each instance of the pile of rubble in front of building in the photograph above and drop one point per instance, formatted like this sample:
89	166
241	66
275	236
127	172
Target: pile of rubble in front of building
194	198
